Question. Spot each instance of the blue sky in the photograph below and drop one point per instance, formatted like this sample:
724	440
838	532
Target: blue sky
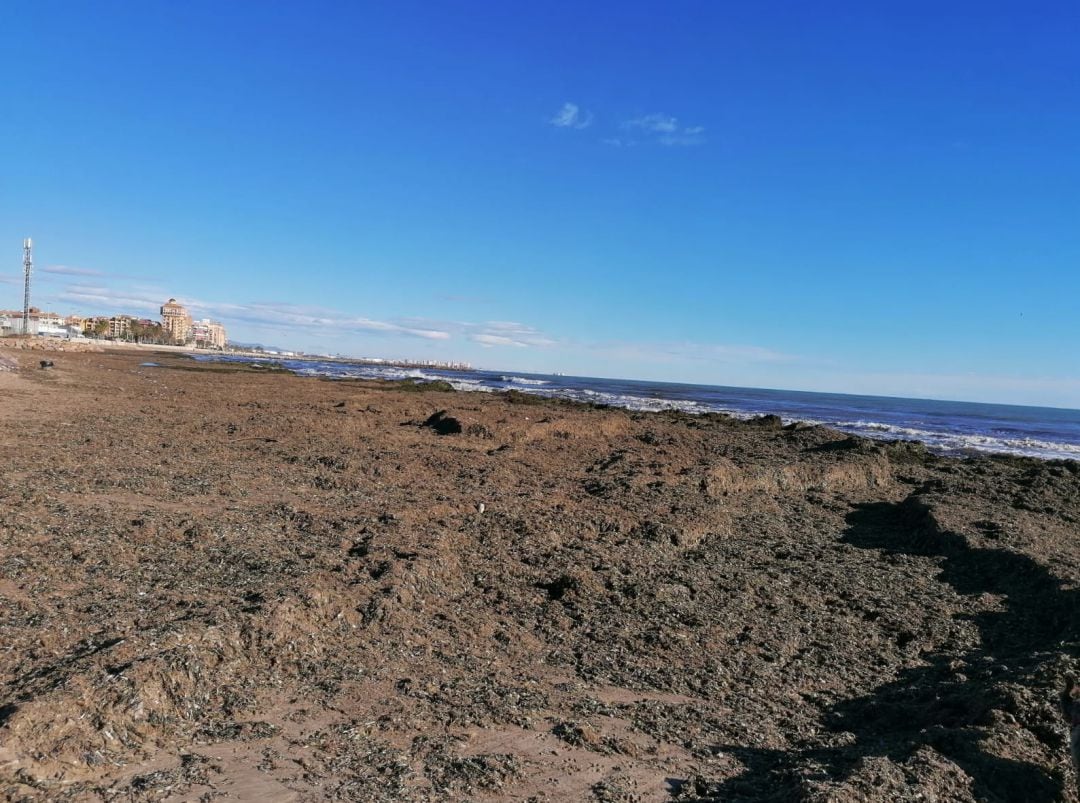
848	196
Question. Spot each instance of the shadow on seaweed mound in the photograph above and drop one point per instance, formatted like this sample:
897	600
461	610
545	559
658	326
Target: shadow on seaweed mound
933	706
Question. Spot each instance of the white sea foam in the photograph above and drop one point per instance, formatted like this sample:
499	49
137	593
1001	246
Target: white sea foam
472	385
638	403
393	373
958	442
520	380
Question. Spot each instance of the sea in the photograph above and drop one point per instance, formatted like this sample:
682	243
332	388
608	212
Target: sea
946	427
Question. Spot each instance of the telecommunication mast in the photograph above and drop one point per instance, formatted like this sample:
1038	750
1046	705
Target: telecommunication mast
28	268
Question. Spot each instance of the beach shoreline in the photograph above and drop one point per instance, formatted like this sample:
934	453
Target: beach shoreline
220	580
953	428
950	428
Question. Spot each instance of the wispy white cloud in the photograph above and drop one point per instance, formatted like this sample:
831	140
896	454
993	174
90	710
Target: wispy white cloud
654	123
695	135
519	335
488	340
111	300
283	316
299	317
657	127
490	333
508	333
666	130
571	116
68	270
327	328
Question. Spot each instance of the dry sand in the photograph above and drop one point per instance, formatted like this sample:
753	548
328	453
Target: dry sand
243	585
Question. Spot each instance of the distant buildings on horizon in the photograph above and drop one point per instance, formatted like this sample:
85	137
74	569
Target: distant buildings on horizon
176	320
176	327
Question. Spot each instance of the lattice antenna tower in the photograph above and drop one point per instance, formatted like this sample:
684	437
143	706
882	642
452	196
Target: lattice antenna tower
28	268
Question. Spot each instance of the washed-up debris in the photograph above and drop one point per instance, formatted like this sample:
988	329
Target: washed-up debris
443	424
217	575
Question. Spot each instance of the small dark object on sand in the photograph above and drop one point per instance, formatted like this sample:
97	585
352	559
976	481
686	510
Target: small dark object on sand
443	424
46	364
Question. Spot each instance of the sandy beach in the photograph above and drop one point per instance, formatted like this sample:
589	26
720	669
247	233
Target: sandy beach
225	582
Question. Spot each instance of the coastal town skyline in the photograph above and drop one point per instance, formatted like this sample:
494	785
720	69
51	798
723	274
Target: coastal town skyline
175	326
852	202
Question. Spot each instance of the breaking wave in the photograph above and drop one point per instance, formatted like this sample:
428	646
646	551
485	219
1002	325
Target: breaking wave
959	443
520	380
645	404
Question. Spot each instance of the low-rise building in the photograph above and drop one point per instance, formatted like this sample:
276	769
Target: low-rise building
208	334
97	325
40	323
120	327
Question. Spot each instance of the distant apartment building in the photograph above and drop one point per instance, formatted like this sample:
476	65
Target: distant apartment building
74	325
96	325
40	323
120	327
208	334
51	322
176	320
10	322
